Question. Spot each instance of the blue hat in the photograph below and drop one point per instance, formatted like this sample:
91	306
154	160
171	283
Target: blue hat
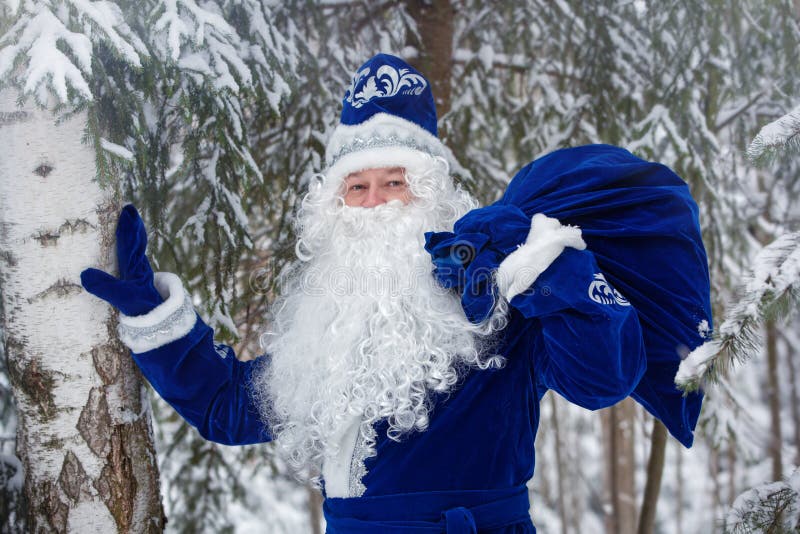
388	120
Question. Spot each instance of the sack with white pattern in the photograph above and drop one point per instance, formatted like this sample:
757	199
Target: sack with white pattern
641	224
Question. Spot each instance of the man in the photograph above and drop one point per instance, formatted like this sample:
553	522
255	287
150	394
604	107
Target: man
413	398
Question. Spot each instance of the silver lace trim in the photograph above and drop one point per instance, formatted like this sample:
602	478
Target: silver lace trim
170	325
361	452
358	144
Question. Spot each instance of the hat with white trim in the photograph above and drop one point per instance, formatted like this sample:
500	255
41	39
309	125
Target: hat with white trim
388	120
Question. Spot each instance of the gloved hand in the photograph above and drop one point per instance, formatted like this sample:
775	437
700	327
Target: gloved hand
467	257
546	241
133	293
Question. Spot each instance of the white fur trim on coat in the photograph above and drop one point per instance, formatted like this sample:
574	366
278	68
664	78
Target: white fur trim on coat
545	242
167	322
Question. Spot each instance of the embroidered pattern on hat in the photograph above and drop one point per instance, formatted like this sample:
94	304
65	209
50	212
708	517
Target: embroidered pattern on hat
392	82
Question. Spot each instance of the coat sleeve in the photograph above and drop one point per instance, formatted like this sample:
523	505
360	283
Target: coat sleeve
588	341
203	380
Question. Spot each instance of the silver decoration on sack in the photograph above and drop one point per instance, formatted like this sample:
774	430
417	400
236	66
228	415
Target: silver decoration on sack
361	452
163	328
358	144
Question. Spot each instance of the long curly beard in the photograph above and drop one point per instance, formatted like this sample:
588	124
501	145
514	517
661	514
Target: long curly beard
364	330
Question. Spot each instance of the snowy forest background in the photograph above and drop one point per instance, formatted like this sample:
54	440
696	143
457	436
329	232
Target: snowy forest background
211	116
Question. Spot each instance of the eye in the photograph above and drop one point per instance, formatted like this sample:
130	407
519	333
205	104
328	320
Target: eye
396	183
356	187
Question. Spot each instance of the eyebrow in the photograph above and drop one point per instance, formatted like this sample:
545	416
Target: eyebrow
393	169
388	170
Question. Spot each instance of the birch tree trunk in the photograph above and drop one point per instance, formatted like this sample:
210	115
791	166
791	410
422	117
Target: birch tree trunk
84	433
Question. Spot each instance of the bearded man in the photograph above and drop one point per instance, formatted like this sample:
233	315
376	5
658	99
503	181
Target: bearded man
408	389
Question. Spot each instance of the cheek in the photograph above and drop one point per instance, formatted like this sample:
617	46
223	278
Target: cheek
405	195
350	197
351	200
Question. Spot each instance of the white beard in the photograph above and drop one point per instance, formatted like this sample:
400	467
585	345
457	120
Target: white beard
364	330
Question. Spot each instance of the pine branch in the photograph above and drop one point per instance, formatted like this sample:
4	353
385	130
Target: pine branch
771	291
732	115
50	52
775	137
771	507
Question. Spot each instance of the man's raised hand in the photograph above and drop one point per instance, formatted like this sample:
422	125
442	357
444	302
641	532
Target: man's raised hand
133	293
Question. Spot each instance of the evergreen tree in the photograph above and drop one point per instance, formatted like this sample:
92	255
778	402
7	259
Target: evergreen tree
219	128
163	91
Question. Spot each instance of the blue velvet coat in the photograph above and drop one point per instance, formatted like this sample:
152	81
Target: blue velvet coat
481	435
467	472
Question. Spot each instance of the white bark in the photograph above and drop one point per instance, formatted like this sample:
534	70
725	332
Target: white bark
84	431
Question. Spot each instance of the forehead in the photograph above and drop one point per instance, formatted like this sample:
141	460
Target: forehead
378	172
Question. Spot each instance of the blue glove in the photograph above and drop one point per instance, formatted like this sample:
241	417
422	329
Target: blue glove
466	258
133	293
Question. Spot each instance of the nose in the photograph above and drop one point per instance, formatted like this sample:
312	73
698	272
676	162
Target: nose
374	198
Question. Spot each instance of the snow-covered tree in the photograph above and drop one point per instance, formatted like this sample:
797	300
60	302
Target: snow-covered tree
218	129
83	432
686	86
161	93
772	507
771	292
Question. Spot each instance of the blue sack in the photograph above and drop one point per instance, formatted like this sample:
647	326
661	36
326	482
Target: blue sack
640	222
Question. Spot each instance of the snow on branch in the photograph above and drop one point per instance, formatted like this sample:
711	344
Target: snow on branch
11	5
185	22
34	37
773	284
117	150
105	21
43	55
490	59
772	507
775	136
201	40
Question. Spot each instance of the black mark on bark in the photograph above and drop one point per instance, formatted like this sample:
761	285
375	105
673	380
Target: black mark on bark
47	239
77	226
53	443
50	237
62	288
36	383
7	257
52	513
73	479
117	483
106	360
94	422
43	170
